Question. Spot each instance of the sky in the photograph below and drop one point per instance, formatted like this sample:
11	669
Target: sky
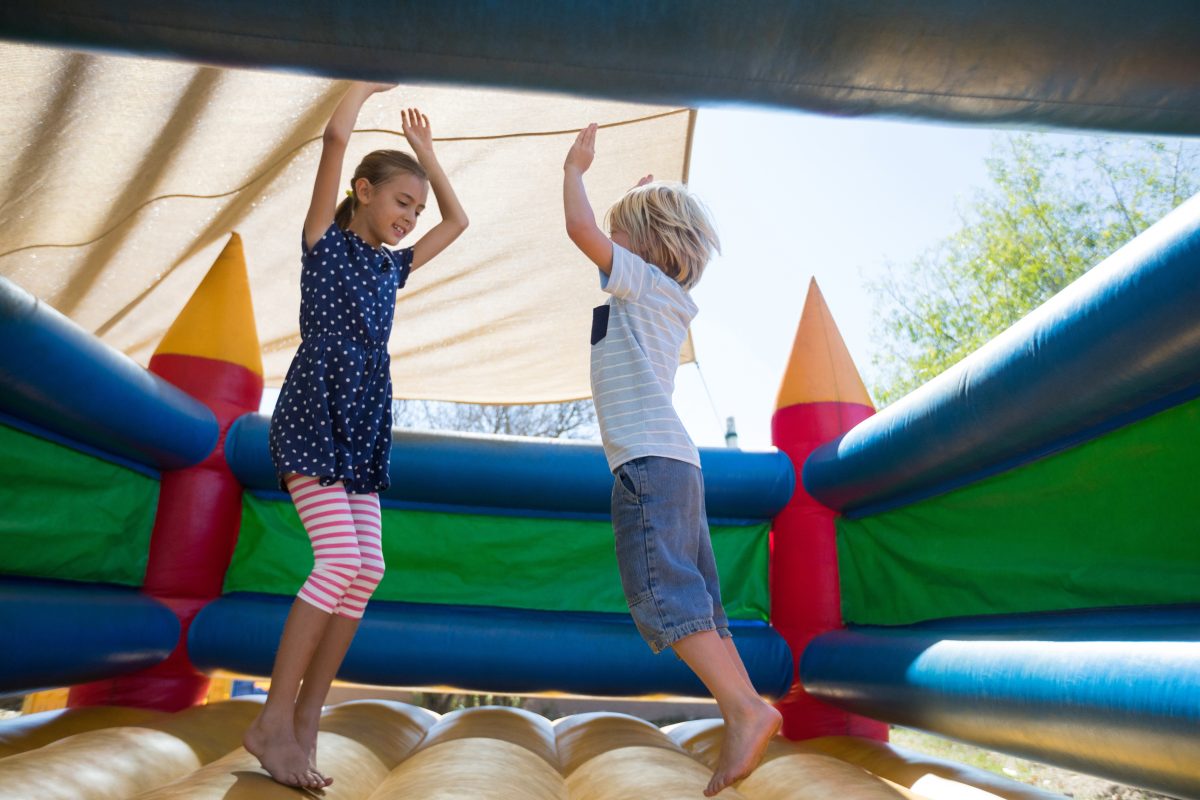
797	196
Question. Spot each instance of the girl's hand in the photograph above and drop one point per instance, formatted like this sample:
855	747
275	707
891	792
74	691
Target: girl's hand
417	131
326	188
583	150
644	181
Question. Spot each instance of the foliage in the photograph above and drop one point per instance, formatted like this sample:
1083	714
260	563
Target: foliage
442	703
1054	780
571	420
1051	213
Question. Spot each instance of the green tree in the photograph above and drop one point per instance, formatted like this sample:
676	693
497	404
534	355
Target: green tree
571	420
1051	213
444	703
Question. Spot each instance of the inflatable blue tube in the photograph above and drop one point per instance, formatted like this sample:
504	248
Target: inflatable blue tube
483	649
57	633
555	475
1121	342
61	378
1106	64
1112	693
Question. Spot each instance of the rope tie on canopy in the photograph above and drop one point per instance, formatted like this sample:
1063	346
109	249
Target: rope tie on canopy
267	170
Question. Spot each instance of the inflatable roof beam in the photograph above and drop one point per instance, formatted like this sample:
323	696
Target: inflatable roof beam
503	474
1127	330
59	382
480	649
212	353
55	633
1110	692
822	396
1119	65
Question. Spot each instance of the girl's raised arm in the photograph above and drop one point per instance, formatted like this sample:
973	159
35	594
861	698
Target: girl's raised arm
454	219
333	150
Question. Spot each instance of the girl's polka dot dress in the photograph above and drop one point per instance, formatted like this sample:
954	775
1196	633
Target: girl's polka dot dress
333	420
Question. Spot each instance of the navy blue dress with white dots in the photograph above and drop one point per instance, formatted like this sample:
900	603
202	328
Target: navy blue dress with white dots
333	419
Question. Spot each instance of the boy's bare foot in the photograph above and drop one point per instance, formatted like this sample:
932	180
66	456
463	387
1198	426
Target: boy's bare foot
306	739
277	751
747	733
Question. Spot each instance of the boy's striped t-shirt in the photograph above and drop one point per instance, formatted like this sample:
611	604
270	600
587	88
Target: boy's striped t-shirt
636	339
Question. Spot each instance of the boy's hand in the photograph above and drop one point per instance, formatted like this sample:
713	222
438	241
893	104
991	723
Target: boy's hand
416	129
583	150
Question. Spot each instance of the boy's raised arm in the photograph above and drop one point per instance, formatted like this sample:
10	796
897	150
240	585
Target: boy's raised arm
581	222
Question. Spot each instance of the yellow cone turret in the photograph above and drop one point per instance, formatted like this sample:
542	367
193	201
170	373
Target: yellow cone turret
218	321
820	369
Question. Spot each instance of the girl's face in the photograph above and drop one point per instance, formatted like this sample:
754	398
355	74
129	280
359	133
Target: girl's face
389	210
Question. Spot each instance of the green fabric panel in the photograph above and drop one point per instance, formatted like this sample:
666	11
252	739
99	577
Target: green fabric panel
1110	522
70	515
463	559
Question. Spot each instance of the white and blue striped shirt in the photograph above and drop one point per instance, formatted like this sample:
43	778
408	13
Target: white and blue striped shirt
636	339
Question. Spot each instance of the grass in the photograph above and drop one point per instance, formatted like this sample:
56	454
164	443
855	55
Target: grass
1043	776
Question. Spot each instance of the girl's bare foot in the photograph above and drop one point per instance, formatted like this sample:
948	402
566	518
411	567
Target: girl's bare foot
747	733
276	749
306	739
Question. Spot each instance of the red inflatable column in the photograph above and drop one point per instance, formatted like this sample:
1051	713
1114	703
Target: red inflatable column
822	397
211	352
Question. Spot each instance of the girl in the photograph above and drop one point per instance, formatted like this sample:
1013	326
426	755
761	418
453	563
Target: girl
331	431
661	241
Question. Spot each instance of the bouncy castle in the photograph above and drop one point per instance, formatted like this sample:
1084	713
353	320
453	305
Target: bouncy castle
1007	556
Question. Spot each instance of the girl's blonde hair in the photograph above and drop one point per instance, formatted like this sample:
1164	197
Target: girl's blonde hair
377	167
668	227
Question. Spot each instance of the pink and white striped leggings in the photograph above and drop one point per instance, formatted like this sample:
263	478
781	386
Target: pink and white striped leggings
345	530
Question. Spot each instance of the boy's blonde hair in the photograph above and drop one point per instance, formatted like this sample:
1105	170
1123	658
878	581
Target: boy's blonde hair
668	227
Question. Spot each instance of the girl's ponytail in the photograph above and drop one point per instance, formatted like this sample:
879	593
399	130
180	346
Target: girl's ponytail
345	210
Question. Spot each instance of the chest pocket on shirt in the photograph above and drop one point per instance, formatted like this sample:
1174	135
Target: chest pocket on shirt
600	322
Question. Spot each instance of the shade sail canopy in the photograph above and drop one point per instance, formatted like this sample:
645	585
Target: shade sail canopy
124	177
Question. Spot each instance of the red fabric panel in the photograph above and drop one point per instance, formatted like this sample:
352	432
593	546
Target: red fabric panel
195	532
805	600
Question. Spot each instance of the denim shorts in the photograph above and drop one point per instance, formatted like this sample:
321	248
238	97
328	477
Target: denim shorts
664	552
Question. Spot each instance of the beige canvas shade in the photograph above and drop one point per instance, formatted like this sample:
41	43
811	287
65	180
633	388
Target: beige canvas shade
123	178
